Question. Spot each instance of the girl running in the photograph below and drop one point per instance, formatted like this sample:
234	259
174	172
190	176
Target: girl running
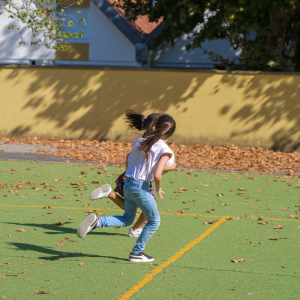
139	122
147	159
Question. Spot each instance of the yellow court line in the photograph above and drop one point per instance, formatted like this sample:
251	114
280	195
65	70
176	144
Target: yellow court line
162	213
108	209
158	269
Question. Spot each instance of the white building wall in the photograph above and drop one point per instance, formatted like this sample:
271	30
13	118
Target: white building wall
107	43
9	39
165	55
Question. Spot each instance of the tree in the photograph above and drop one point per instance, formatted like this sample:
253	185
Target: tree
46	19
267	31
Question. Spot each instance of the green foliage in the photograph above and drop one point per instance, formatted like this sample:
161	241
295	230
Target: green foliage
44	17
266	31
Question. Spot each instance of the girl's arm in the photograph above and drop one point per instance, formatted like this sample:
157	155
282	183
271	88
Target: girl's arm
126	166
167	168
158	173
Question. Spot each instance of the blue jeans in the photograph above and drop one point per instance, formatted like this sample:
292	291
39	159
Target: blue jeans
136	194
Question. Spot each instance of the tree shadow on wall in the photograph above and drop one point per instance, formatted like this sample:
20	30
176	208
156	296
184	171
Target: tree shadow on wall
270	101
87	100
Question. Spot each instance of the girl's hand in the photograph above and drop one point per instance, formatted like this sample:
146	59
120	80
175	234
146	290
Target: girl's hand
160	193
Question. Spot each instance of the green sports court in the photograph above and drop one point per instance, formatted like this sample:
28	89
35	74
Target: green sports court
223	235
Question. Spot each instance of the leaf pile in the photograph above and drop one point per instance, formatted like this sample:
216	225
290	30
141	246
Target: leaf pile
226	157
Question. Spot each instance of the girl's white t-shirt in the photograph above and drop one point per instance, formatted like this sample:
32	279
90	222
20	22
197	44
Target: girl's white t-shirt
143	169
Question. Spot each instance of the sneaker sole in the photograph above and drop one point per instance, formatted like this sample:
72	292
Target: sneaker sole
135	236
84	227
100	192
140	260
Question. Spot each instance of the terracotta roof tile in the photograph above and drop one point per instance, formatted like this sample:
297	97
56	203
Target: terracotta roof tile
141	25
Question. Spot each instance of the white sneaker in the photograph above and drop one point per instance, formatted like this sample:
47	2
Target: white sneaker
141	257
90	223
135	233
101	192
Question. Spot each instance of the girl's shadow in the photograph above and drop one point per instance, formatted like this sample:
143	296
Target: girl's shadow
54	254
62	229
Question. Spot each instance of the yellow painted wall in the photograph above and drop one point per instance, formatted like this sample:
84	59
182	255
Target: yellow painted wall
245	109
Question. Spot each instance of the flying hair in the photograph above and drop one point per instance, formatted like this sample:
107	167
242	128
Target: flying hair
165	127
140	122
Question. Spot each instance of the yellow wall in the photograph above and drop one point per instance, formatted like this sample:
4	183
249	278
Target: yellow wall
245	109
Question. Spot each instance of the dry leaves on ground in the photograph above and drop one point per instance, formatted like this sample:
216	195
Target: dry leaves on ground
278	227
41	292
226	157
61	243
238	260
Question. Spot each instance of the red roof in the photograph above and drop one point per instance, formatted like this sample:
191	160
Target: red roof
141	25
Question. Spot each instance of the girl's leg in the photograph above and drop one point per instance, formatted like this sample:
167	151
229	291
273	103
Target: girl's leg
91	222
117	199
148	205
140	222
122	221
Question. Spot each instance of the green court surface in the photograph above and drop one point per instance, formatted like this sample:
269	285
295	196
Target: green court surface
35	197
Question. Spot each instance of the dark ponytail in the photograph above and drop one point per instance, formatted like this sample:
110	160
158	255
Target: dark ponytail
140	122
135	120
165	127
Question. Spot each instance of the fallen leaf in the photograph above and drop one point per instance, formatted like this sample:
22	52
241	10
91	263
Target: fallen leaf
41	292
61	243
293	216
180	212
278	227
21	229
263	223
60	223
86	204
238	260
273	239
209	222
2	277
